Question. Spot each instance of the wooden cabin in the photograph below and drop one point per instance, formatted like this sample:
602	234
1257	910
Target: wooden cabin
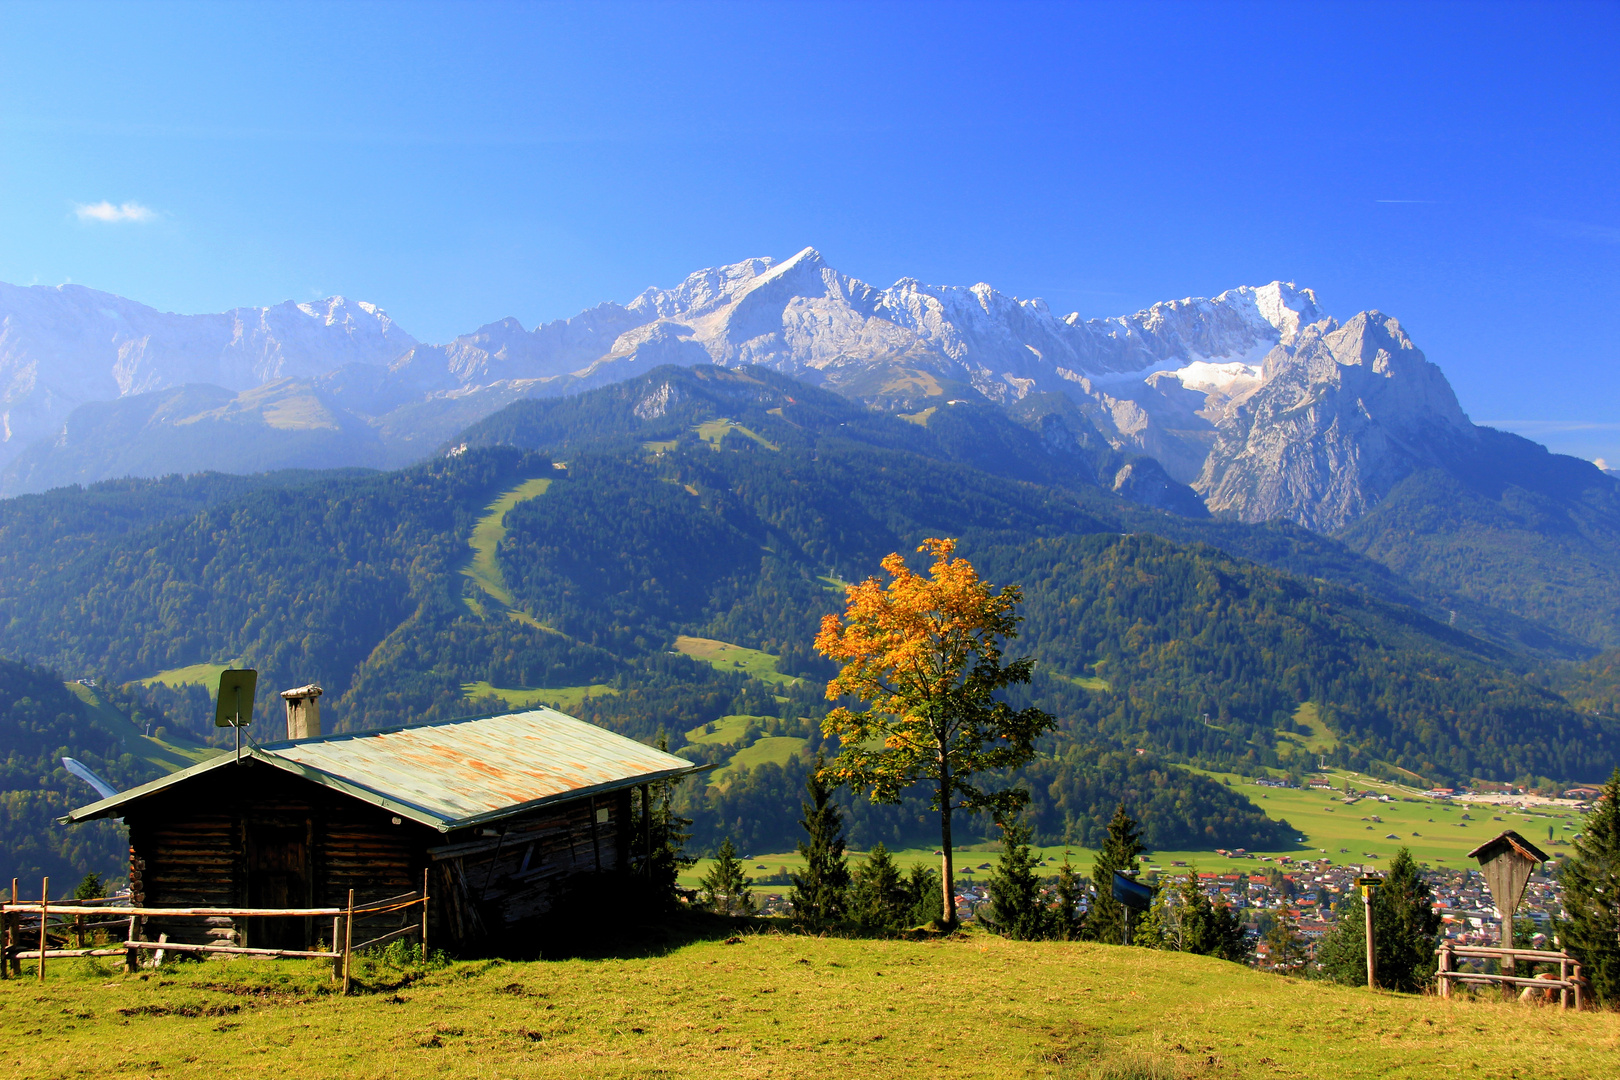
501	812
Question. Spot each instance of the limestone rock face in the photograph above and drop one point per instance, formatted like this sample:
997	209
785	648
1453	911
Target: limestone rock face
1338	418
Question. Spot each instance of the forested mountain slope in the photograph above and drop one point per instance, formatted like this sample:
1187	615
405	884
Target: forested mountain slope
601	552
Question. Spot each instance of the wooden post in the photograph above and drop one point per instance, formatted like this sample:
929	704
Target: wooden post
44	917
1577	980
424	912
1509	991
1563	974
1372	953
1445	967
16	930
337	949
132	955
348	942
5	941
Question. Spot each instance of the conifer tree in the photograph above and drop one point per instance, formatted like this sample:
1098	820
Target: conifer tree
726	884
820	893
1121	851
922	888
1017	908
1284	946
668	834
877	895
1068	921
1591	930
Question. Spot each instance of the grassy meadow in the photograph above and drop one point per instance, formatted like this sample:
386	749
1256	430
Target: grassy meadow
767	1004
728	657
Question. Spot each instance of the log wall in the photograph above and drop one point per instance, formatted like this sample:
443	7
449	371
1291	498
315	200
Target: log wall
193	845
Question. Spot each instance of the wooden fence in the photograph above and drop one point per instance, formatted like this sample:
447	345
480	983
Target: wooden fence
57	930
1569	983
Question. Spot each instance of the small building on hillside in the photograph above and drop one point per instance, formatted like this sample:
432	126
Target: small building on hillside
501	812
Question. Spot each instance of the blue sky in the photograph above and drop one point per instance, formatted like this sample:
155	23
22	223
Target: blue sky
1453	165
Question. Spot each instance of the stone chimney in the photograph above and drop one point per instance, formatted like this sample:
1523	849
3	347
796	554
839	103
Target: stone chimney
303	712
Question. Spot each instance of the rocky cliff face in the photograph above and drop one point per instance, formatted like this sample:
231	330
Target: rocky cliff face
1337	419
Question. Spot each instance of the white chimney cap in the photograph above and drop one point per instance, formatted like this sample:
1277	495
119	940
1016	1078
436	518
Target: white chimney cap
300	692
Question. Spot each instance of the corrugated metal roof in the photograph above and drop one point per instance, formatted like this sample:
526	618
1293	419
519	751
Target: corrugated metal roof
456	773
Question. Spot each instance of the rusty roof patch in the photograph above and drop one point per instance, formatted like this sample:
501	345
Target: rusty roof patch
455	773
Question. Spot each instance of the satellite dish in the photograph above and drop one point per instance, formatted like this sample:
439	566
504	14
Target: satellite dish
84	772
234	705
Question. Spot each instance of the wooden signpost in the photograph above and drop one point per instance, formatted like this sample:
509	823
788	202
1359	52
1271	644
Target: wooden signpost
1369	887
1507	863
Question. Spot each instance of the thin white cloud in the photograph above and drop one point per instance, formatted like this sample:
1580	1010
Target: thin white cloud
1580	230
113	213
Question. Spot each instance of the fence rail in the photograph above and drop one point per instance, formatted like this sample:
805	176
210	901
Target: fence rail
1570	983
24	923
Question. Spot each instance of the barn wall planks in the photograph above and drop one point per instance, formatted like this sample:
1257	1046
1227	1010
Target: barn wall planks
256	835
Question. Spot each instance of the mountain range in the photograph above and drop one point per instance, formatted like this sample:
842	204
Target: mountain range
1254	405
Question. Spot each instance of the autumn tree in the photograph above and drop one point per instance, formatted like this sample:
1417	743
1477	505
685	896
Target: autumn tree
924	653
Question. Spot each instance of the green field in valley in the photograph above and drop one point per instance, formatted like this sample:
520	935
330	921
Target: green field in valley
727	657
190	675
487	534
769	1004
713	431
561	698
171	751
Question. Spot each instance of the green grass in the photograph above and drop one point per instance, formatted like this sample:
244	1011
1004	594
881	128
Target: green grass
919	418
778	1005
727	729
712	431
487	534
561	698
728	657
772	750
1085	682
1320	740
171	753
191	675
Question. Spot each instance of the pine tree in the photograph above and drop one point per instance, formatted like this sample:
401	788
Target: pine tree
1122	852
668	834
726	884
923	891
1284	946
1017	908
877	895
1068	921
820	893
1591	930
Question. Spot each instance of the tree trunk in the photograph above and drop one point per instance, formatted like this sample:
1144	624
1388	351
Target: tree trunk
948	912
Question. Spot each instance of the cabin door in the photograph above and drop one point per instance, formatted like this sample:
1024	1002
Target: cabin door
278	877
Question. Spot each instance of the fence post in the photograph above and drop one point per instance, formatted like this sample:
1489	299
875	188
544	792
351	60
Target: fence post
1577	981
1563	991
424	913
348	942
1445	968
337	948
44	917
5	939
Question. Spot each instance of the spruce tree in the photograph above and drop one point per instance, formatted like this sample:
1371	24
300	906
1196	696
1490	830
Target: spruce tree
820	893
1591	930
1121	851
1068	921
923	892
1017	908
726	884
1284	945
668	834
877	895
